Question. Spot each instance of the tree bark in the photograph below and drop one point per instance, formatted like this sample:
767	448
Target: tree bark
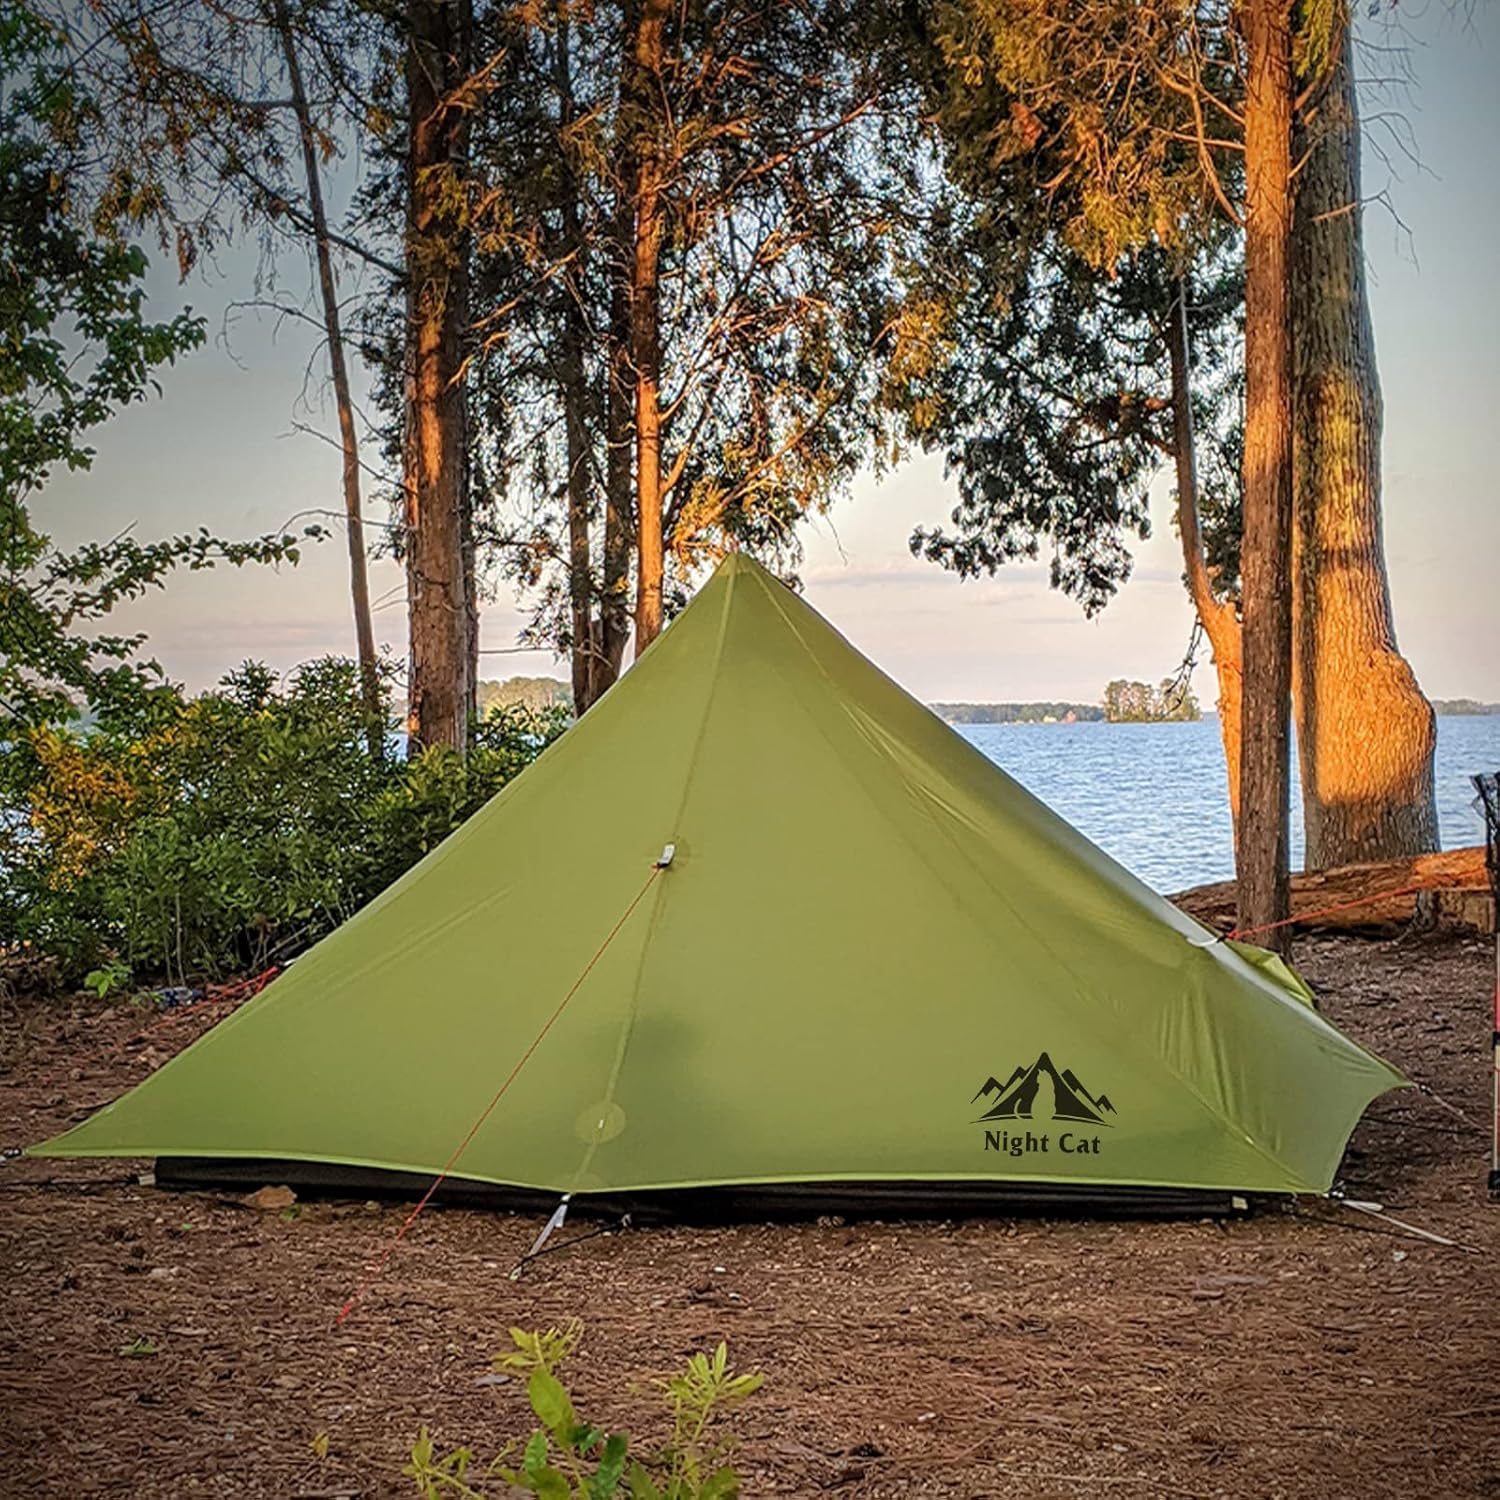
645	67
1355	897
1265	570
1217	616
619	467
573	384
1365	733
359	573
438	537
469	546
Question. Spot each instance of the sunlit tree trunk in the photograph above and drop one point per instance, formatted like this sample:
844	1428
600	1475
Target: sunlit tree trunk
1365	733
438	554
1217	616
1265	569
644	68
619	465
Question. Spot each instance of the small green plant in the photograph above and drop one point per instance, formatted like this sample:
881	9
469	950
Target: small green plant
691	1467
109	979
566	1458
139	1349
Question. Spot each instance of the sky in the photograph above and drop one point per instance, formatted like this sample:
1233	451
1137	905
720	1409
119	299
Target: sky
228	446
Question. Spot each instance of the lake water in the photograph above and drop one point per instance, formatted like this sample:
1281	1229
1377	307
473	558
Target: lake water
1154	795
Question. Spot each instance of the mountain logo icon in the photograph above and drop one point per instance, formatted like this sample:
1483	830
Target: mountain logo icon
1040	1092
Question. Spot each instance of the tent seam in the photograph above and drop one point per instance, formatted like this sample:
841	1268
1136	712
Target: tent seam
632	1014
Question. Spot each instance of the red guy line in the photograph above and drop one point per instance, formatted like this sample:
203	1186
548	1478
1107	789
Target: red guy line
1327	911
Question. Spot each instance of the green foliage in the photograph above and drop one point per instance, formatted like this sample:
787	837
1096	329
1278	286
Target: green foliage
540	1351
784	185
1094	156
1140	703
691	1465
1048	390
109	979
523	692
77	347
190	838
566	1458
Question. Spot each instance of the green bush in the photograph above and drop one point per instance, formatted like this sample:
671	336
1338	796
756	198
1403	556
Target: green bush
187	838
567	1458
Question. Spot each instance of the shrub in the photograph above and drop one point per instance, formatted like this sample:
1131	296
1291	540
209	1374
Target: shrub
187	838
567	1458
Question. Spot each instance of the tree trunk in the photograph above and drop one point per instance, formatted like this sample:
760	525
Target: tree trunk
584	647
359	574
469	543
458	292
619	421
619	512
438	540
1217	616
645	313
1265	569
574	390
1365	733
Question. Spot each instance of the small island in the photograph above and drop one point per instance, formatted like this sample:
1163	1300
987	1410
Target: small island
1125	702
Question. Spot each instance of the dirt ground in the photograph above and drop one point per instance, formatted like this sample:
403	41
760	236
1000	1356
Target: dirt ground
1306	1353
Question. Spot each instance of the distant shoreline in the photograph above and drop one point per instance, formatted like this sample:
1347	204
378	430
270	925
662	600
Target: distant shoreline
1144	705
1092	713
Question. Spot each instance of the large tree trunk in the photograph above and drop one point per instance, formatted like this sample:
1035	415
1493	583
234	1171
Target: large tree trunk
1265	568
1217	616
644	124
354	525
1365	733
438	539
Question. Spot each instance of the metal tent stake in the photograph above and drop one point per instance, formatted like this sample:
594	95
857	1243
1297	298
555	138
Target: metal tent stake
559	1215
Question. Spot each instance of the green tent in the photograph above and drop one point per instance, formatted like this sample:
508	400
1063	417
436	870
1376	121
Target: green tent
875	966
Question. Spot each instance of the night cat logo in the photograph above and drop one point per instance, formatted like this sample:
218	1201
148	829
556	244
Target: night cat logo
1041	1093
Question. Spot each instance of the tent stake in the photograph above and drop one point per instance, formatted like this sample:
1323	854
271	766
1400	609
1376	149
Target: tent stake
559	1217
1377	1210
536	1251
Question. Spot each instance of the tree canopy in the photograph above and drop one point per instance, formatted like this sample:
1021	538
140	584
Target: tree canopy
78	347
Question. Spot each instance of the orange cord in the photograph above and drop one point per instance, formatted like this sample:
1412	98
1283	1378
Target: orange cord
241	990
378	1270
1327	911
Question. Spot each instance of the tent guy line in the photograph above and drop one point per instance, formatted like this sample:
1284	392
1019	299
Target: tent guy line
378	1269
1304	917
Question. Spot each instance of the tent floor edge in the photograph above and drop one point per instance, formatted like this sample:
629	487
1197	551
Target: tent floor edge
918	1199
